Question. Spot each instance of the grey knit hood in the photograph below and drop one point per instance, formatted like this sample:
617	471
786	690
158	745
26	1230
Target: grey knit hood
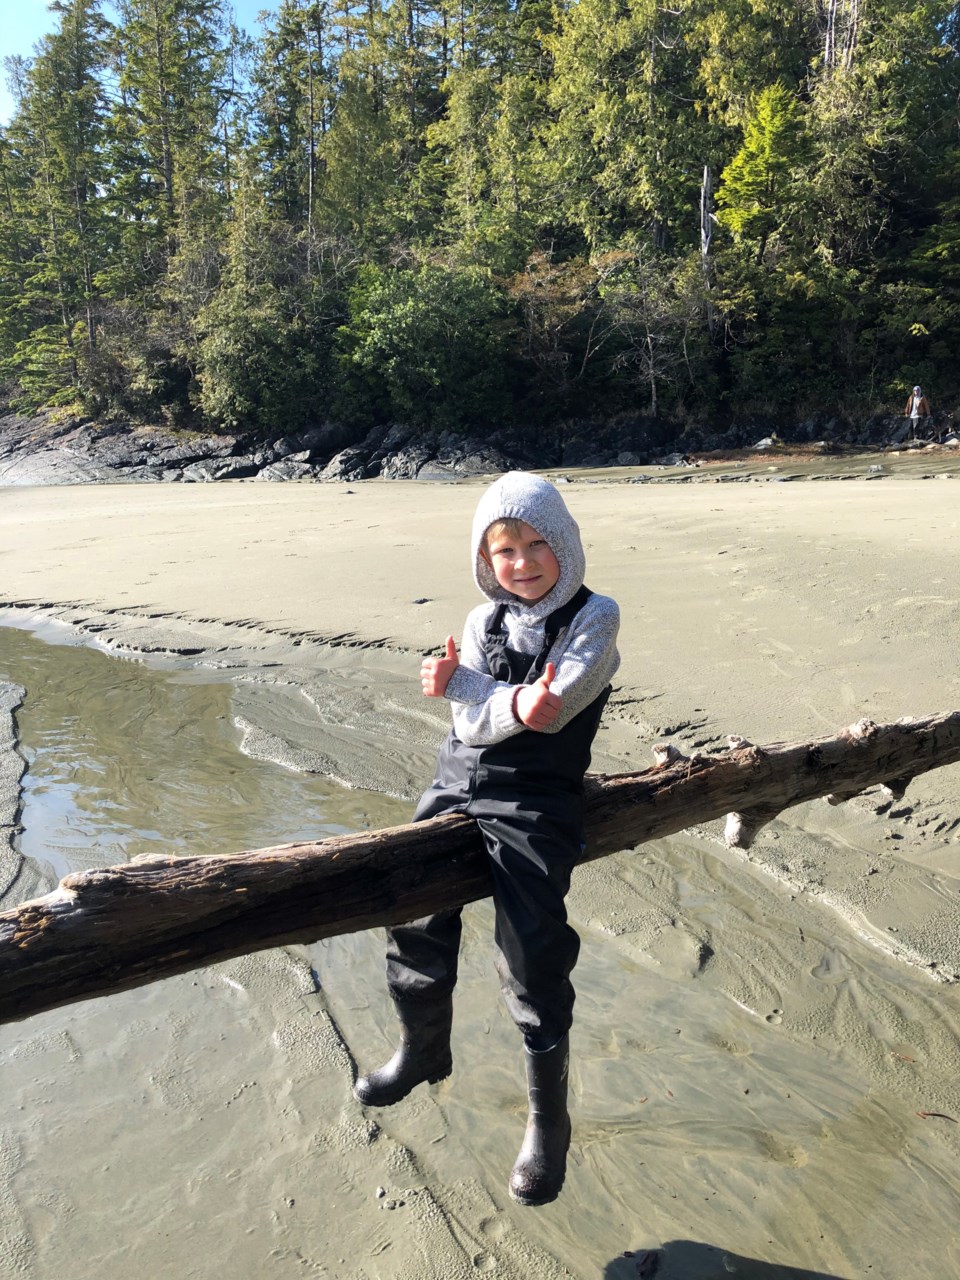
518	495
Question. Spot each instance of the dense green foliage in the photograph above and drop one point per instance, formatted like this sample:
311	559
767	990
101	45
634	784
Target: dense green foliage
511	213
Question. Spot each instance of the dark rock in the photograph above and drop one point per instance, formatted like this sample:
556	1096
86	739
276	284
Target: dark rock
482	462
238	468
437	471
395	438
348	464
406	464
193	450
286	469
205	470
109	431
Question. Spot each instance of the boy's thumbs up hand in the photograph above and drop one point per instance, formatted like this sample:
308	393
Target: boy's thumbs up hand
435	673
536	706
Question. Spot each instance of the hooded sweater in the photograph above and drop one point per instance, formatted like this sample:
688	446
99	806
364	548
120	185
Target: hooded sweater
585	657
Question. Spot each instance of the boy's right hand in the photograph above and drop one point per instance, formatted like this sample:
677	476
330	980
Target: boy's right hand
535	705
435	673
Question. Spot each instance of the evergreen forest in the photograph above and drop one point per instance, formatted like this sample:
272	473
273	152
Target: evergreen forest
461	214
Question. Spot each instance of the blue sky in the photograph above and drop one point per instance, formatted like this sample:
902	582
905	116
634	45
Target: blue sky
27	21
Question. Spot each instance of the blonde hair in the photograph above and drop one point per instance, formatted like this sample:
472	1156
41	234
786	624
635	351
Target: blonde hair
511	527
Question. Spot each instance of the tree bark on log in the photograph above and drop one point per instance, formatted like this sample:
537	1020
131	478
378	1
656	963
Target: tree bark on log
114	928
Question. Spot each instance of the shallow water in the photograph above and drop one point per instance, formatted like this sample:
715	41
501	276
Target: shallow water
127	759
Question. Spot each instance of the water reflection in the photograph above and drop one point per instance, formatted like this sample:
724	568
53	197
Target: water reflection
124	759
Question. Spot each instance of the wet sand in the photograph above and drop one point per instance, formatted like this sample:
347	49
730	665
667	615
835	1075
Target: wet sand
755	1035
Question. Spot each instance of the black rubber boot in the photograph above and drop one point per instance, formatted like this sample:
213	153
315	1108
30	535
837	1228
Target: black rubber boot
422	1055
542	1163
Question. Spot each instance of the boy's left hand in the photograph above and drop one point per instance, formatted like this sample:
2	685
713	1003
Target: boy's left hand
535	705
435	673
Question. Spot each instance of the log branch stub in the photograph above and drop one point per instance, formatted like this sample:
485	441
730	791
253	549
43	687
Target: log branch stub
114	928
665	753
862	730
741	828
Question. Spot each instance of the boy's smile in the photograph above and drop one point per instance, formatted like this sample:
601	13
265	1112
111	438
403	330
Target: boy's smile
524	565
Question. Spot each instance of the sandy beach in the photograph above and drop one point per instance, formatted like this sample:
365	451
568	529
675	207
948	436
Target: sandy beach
765	1055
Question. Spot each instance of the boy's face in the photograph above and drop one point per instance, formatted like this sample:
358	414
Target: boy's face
524	565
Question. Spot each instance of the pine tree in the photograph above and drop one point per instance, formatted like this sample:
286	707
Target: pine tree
294	81
265	335
625	154
58	234
758	186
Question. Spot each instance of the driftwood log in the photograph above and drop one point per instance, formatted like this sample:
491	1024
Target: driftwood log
114	928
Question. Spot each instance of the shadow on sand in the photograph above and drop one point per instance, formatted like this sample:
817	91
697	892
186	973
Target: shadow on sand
691	1260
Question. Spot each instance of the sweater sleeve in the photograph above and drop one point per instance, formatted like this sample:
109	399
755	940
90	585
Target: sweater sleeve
482	706
585	660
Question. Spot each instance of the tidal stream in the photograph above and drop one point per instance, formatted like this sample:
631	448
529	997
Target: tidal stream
125	758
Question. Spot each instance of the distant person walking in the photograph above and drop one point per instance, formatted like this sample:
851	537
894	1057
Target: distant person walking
916	407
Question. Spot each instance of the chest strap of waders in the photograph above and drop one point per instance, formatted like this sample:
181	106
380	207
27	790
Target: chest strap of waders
554	629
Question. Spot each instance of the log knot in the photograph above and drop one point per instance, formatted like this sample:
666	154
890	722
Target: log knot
754	754
861	731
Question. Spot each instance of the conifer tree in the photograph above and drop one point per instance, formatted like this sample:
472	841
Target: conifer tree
759	185
57	235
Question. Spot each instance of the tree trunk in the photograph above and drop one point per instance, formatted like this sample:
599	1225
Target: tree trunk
706	235
119	927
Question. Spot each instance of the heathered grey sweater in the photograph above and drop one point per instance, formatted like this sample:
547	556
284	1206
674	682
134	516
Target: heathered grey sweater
585	658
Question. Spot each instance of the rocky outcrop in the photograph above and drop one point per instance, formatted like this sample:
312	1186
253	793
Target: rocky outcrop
399	453
53	448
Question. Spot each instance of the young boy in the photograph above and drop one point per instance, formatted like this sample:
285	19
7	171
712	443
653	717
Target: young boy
527	693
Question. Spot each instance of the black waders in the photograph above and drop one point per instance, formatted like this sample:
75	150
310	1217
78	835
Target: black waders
542	1163
423	1054
526	795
